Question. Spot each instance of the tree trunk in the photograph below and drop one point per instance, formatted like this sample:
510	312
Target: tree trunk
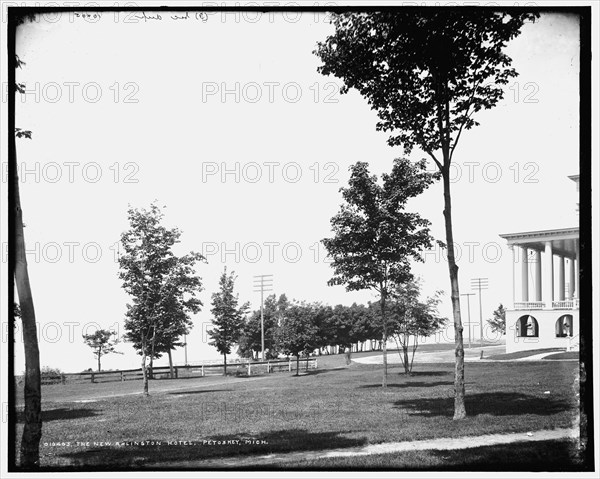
384	349
384	341
413	354
171	373
224	364
459	369
99	366
152	342
32	430
406	365
144	372
441	83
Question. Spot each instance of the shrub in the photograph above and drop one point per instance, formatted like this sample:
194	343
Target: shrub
51	375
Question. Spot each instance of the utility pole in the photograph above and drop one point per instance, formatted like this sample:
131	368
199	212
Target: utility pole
469	313
479	284
185	347
262	283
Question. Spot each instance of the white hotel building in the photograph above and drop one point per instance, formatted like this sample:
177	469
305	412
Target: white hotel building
545	309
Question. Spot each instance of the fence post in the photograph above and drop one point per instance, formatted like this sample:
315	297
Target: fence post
249	368
122	378
92	377
63	379
268	367
315	363
176	373
290	365
203	370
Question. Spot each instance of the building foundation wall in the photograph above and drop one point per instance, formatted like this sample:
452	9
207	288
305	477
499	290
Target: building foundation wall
546	322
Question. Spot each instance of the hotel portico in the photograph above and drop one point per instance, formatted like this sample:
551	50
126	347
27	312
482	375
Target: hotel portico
545	289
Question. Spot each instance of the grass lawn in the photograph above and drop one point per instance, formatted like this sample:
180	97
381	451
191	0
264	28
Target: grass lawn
556	455
523	354
564	355
327	408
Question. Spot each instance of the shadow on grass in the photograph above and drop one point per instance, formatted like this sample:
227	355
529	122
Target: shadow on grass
411	384
494	404
198	391
314	372
427	373
231	446
61	414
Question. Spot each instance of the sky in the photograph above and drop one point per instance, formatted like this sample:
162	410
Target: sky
223	119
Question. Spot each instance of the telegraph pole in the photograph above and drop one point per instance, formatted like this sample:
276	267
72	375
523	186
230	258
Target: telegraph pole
479	284
469	313
262	283
185	347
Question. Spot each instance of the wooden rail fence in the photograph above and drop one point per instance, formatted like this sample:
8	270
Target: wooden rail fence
245	368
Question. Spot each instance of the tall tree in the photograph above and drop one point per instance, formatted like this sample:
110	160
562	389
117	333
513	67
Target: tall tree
163	286
32	431
426	73
298	330
228	318
101	343
374	237
498	321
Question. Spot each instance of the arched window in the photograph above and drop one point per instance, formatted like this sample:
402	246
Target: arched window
527	327
564	326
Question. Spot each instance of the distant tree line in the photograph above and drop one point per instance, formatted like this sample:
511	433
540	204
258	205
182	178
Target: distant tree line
301	328
293	327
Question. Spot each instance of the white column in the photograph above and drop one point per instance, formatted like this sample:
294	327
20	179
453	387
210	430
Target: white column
561	278
524	275
548	282
514	279
538	275
571	278
577	269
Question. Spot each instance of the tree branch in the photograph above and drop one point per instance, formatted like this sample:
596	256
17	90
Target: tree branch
439	165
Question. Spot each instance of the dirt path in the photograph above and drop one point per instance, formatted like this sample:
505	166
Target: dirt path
421	445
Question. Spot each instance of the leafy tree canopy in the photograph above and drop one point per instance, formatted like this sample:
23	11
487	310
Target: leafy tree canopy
163	286
374	237
425	72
